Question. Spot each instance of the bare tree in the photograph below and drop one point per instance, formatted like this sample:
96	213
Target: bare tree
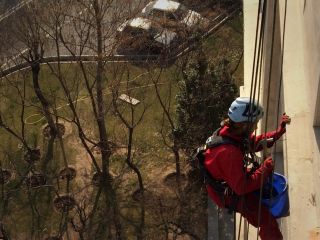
131	111
168	125
32	37
85	96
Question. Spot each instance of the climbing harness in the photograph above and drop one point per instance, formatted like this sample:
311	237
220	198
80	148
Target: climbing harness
221	187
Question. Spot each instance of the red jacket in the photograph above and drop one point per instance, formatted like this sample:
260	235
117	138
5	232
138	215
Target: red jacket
225	162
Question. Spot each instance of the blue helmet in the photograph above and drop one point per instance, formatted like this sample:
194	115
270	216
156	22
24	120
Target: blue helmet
241	110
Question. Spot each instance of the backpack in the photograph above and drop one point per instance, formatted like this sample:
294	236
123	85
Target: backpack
197	160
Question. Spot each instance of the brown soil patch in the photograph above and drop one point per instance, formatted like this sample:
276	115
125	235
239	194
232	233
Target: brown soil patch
96	150
96	179
148	195
32	155
64	203
5	176
172	180
114	147
64	129
36	180
47	131
177	233
53	238
67	173
83	167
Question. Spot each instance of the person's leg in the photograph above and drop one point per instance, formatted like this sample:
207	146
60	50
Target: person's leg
248	207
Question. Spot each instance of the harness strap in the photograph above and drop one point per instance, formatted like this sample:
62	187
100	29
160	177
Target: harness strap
220	187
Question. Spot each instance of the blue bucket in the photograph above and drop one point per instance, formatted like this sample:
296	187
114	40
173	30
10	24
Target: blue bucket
276	200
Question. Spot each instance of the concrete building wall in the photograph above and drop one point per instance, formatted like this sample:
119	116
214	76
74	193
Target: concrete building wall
299	98
250	9
298	150
311	26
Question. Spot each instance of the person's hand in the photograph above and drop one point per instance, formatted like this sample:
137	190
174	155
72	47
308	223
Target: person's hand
285	119
268	164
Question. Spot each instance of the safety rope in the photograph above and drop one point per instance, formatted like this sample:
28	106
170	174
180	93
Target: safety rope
268	95
279	94
255	97
256	79
253	77
281	72
240	222
255	69
267	103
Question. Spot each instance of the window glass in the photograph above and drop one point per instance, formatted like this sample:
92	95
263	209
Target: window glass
133	31
181	13
171	16
157	14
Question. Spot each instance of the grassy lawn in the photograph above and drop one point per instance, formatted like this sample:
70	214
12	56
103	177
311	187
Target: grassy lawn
31	211
149	150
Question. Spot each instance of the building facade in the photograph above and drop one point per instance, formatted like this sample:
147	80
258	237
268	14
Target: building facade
289	82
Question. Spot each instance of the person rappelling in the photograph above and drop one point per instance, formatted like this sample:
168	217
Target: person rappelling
225	165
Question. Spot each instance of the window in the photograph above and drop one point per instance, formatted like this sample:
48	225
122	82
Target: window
181	13
171	16
136	32
157	14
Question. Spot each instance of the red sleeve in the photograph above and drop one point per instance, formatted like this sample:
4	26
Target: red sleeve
235	176
275	135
